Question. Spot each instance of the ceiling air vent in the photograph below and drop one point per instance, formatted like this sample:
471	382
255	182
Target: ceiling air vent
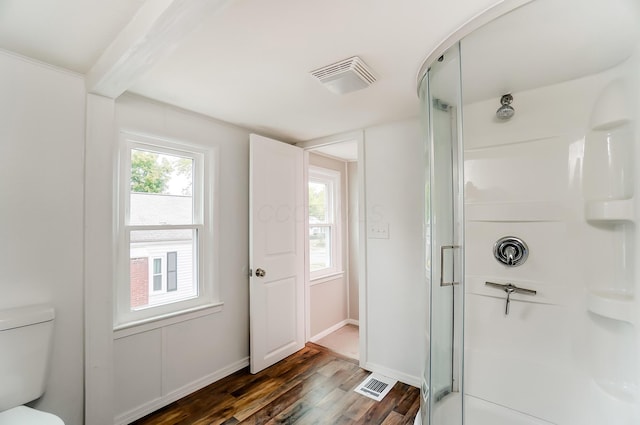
345	76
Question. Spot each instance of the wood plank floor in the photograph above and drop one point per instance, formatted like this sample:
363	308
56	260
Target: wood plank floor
313	386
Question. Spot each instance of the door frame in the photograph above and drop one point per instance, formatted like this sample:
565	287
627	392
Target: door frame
308	146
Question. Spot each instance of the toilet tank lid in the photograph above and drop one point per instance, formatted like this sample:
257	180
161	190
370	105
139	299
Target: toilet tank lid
23	316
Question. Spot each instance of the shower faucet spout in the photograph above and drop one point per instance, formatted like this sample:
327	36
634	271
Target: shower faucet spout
510	288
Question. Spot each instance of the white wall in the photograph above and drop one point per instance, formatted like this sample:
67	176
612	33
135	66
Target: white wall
160	365
41	182
394	169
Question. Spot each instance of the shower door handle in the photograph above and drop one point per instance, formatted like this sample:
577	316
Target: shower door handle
453	282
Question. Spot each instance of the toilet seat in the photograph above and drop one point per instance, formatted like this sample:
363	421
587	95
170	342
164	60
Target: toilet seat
23	415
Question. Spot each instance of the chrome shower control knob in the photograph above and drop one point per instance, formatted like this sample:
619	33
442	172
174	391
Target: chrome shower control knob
511	251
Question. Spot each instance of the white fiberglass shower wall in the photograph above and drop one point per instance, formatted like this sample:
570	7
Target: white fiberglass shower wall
560	175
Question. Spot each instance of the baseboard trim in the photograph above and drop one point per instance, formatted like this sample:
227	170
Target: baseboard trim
414	381
353	322
175	395
327	331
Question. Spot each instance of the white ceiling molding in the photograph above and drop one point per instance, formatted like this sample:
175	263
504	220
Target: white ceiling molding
345	146
150	36
357	135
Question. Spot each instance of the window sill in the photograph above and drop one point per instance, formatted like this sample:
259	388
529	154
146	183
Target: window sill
146	325
325	278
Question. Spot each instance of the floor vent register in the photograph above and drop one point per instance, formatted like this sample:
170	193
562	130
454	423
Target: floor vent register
375	386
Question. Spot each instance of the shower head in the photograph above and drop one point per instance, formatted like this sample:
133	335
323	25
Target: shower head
505	111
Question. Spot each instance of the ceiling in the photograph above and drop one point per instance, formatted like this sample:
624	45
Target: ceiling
248	64
71	34
248	61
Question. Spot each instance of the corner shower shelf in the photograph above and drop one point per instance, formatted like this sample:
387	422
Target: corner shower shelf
613	211
612	305
531	211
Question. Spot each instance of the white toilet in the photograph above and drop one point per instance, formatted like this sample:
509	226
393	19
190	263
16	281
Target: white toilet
25	344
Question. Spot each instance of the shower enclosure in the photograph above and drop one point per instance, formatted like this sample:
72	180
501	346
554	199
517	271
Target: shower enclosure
541	327
444	238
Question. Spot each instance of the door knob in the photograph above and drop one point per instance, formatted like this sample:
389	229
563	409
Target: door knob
260	273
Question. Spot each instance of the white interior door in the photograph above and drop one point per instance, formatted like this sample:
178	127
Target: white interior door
278	213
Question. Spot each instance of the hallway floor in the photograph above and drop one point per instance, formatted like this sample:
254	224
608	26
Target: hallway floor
345	341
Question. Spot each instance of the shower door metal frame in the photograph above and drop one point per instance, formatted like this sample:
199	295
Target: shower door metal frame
445	185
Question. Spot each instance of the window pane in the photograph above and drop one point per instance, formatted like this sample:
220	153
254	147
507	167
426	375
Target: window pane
157	274
157	266
157	282
318	195
161	189
179	247
319	247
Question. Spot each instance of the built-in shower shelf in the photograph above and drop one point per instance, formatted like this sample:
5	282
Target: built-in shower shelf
613	211
612	305
522	212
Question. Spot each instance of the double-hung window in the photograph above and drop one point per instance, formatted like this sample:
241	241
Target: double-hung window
324	222
157	274
165	230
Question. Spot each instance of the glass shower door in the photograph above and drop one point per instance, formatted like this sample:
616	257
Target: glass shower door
440	97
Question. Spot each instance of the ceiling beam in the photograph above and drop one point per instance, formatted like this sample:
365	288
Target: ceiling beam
153	33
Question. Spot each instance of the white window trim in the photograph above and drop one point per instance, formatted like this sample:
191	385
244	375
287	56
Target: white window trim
206	223
323	175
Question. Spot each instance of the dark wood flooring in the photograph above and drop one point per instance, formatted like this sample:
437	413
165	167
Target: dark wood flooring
313	386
